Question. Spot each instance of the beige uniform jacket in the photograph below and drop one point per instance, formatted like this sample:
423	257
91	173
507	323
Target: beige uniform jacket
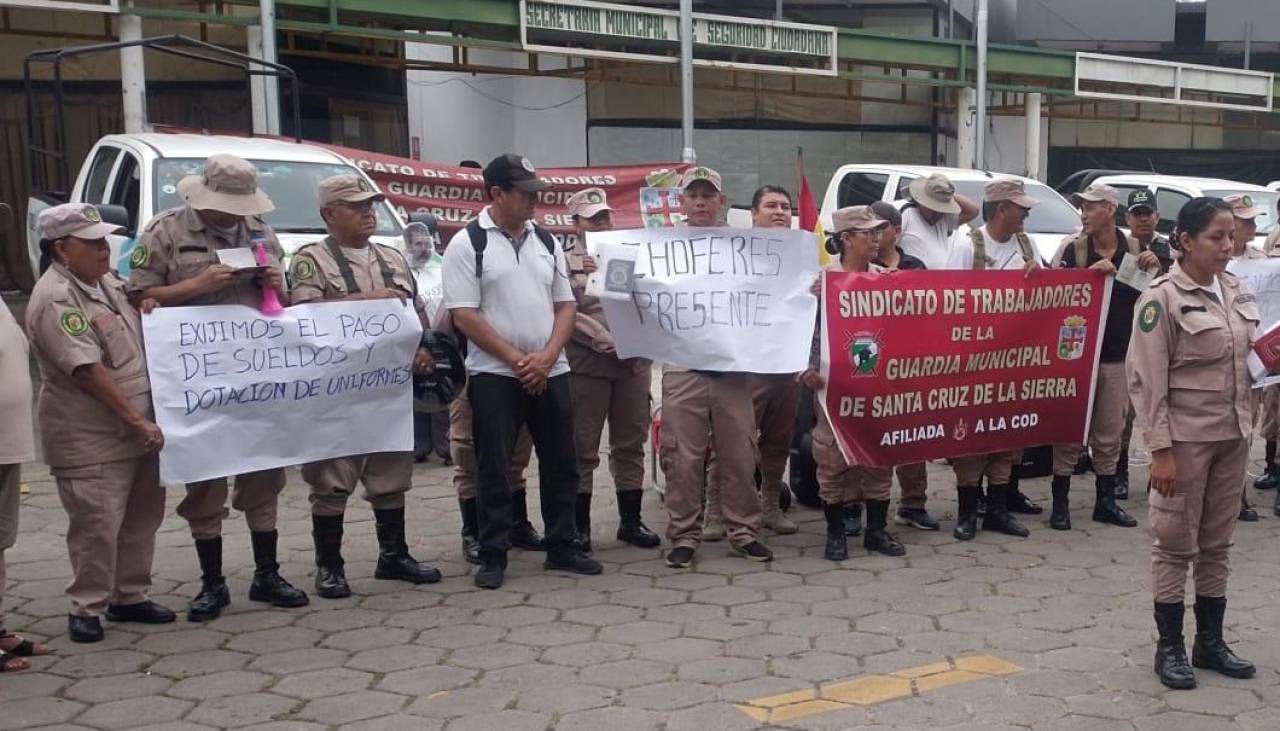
316	274
584	359
70	325
17	440
177	245
822	429
1187	373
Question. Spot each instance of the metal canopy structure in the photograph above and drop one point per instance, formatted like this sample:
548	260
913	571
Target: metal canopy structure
175	45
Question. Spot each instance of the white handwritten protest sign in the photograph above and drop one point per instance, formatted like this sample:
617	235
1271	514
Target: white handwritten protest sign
718	299
236	392
1263	278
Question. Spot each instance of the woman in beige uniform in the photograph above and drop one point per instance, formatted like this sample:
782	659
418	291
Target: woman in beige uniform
856	239
1192	393
96	422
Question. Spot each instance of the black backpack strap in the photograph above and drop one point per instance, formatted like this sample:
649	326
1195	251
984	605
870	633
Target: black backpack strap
479	239
344	266
548	241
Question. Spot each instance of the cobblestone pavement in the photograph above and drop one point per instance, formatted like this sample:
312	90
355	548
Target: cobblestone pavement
1063	618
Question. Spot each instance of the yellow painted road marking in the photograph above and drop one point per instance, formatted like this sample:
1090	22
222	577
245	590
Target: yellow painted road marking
872	689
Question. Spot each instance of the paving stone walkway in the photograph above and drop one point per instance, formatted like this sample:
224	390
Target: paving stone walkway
1060	626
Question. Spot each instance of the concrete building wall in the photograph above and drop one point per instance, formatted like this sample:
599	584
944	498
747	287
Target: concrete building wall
1225	21
1097	20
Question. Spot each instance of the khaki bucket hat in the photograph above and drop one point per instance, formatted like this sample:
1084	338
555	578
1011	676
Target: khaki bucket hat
935	193
228	184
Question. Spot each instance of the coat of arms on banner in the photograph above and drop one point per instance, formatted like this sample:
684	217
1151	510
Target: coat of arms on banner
1072	337
660	199
864	353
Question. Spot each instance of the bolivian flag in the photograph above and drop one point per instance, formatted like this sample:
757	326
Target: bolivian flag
809	211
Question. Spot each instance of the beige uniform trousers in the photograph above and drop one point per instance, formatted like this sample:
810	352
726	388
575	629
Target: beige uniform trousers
1269	428
701	410
1107	428
1193	527
256	494
776	399
913	480
624	401
997	467
114	510
386	477
462	449
840	483
10	482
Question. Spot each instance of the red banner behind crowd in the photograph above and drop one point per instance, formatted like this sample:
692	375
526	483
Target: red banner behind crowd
927	365
642	196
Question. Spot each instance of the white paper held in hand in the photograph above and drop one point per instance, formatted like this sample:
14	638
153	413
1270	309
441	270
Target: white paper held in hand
1132	275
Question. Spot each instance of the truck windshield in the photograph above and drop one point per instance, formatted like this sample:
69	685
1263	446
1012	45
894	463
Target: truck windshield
291	185
1263	200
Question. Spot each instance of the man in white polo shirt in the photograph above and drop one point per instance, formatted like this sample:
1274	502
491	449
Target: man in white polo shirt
930	219
507	289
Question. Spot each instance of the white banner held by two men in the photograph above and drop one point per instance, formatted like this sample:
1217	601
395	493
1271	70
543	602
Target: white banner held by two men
236	391
717	299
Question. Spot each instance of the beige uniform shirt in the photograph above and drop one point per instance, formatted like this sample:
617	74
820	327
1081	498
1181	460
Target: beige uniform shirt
177	245
17	441
316	275
71	325
584	359
1187	373
822	429
1272	245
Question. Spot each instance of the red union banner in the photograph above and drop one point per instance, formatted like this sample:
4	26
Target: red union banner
642	196
926	365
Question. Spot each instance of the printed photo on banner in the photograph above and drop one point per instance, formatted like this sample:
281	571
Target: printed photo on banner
925	365
717	299
236	391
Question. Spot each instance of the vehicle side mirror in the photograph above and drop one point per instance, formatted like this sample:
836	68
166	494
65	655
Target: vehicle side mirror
118	215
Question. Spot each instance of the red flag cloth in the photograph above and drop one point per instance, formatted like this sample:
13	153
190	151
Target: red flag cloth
808	207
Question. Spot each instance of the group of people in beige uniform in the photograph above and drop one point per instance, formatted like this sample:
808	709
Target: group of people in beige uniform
1182	367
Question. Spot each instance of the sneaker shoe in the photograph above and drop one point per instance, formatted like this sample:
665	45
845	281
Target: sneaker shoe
680	557
754	551
918	518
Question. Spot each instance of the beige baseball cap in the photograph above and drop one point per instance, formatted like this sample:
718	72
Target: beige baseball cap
1097	193
935	193
1242	205
346	188
1009	189
80	220
694	174
588	202
228	184
856	218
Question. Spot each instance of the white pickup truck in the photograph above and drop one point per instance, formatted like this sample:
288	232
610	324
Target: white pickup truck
133	177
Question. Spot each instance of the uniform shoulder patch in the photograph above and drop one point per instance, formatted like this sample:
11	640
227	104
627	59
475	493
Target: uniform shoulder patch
303	268
140	256
74	322
1149	317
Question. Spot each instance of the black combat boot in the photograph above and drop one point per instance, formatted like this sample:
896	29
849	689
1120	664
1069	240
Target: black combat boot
394	561
877	538
1271	476
268	585
1122	474
522	533
1105	509
1247	513
967	513
1171	664
213	594
853	519
331	577
470	530
1016	502
998	518
837	548
582	521
1209	651
631	529
1060	516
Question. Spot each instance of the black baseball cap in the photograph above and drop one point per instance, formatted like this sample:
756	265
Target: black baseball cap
885	210
511	170
1141	198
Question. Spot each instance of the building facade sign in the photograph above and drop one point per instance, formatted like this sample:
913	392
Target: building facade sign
605	30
